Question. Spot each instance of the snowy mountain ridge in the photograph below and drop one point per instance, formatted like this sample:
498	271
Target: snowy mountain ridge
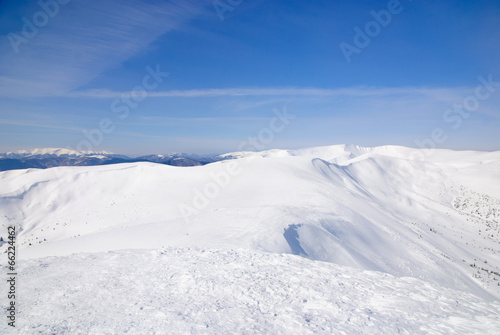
37	152
50	157
52	152
432	216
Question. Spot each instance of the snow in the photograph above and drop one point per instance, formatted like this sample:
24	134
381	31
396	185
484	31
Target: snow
405	226
190	290
52	151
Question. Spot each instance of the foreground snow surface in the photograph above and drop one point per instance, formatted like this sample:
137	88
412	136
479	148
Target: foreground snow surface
213	291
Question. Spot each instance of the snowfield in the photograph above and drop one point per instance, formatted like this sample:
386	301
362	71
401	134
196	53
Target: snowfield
390	238
193	291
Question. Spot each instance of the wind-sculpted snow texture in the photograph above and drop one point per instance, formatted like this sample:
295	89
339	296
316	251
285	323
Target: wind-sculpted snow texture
196	291
427	215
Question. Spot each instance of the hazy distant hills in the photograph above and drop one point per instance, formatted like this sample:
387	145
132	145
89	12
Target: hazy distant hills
46	158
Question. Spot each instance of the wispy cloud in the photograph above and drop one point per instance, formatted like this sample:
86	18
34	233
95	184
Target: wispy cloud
160	119
29	124
393	102
85	39
287	91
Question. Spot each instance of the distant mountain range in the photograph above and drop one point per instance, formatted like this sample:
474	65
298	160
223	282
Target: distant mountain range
50	157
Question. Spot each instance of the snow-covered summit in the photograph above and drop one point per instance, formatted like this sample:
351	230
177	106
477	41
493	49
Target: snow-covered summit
344	152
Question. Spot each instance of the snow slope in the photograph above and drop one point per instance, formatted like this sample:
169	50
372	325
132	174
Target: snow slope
196	291
429	215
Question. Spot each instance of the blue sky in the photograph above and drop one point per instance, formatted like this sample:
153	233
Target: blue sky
69	67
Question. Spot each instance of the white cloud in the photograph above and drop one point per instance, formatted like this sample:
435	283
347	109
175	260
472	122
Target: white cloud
395	102
444	93
84	39
25	123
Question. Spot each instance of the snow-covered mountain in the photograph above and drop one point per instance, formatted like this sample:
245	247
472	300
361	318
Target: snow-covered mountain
432	216
52	152
53	157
